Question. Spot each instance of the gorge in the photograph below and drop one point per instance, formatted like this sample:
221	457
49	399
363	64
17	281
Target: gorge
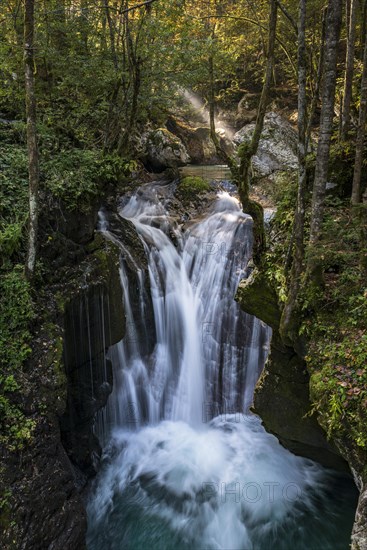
185	462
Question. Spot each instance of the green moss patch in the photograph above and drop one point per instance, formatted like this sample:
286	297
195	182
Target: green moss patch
191	186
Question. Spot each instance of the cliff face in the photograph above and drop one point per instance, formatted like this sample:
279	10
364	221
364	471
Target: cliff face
94	320
282	399
65	382
282	396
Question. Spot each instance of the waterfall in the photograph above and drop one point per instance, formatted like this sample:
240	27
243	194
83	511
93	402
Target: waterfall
186	465
208	352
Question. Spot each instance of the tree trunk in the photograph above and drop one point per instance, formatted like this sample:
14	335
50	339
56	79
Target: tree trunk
135	64
363	27
246	152
33	161
316	96
111	33
349	69
333	25
363	235
288	315
358	163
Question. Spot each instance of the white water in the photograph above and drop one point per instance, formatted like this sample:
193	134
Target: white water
187	466
208	353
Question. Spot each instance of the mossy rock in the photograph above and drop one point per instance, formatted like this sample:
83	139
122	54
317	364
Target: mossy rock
191	186
257	297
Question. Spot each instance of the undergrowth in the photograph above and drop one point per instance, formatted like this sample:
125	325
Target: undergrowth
333	316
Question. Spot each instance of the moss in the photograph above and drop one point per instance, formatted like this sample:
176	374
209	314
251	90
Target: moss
192	185
258	297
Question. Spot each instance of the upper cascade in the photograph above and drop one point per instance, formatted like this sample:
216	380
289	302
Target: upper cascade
208	353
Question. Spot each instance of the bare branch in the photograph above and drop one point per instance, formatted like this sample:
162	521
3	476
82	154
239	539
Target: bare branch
285	12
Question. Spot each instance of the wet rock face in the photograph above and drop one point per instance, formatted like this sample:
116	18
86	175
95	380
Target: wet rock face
359	533
282	396
277	149
41	507
49	512
162	149
94	320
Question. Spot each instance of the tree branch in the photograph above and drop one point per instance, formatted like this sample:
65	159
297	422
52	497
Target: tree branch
285	12
137	6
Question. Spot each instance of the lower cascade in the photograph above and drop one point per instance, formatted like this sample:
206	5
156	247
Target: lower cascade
186	464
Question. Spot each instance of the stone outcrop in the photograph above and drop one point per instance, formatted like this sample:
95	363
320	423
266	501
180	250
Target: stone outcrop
161	149
277	151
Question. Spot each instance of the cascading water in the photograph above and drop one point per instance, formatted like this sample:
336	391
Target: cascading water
186	464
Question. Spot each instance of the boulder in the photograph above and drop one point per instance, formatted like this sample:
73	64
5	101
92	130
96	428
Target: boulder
161	149
277	149
198	142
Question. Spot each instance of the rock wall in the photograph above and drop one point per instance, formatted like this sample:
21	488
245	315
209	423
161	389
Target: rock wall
282	396
65	382
282	399
94	320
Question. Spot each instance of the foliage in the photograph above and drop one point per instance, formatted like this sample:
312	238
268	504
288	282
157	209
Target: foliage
333	311
72	176
16	313
335	322
13	213
78	177
337	360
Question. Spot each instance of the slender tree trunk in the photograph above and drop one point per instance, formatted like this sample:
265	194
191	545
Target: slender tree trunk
363	235
333	25
299	222
83	27
135	65
33	162
59	35
362	119
363	26
349	69
248	153
112	33
316	95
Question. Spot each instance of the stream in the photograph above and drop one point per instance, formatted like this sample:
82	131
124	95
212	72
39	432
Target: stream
186	465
